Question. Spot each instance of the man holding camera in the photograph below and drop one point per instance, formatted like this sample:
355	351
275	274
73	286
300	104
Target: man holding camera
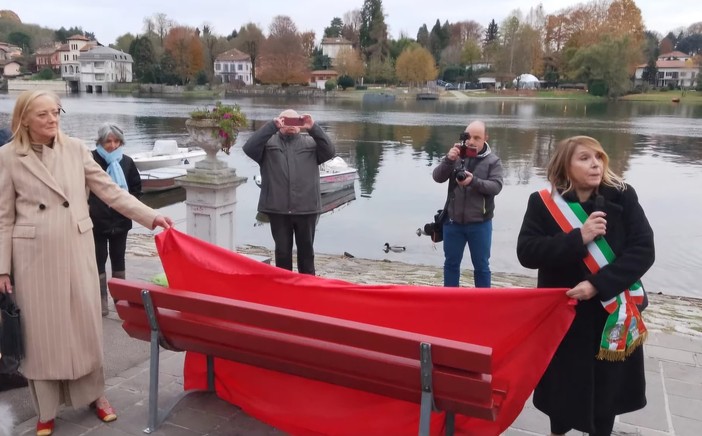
290	193
474	173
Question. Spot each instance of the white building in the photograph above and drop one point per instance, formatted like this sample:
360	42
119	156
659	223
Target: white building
101	67
675	68
69	53
233	65
332	46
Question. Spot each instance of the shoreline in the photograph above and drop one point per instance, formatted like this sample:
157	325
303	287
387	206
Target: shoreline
665	313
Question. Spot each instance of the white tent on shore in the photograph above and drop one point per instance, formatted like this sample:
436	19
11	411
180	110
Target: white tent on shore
526	81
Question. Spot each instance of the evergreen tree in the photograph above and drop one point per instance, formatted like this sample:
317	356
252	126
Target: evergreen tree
423	36
492	32
144	59
373	33
334	29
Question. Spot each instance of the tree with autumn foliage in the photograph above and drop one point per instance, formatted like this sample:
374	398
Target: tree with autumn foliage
283	59
185	48
348	62
416	66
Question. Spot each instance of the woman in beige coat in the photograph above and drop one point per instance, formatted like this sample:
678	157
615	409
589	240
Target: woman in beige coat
46	242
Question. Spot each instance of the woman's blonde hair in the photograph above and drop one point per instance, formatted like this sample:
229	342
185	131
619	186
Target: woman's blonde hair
558	170
20	133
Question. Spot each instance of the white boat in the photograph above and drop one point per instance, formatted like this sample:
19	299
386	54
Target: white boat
334	175
161	179
166	153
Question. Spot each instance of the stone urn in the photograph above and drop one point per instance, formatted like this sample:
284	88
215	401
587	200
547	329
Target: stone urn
205	134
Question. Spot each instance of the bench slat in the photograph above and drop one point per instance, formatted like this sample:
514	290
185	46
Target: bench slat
309	351
445	352
314	346
324	374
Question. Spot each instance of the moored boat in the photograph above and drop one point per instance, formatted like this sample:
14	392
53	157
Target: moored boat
334	175
166	153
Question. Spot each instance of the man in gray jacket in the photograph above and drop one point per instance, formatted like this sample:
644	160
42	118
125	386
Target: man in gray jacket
290	193
475	173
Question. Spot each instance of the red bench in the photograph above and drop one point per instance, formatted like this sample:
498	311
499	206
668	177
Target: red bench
439	374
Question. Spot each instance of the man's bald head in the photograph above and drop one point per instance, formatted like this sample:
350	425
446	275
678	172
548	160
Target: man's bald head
477	127
289	113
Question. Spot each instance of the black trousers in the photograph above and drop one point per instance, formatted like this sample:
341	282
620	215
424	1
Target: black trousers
283	227
116	244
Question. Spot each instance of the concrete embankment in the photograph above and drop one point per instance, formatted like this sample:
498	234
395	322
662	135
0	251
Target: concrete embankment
666	313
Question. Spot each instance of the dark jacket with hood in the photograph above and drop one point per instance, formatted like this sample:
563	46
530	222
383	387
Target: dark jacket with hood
576	386
289	168
105	219
474	203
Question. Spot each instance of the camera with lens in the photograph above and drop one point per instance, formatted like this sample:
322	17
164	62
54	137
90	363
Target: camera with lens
463	148
460	173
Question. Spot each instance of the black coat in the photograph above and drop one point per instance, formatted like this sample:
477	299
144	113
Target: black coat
576	385
105	219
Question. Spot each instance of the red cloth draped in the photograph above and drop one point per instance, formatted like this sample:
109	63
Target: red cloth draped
523	327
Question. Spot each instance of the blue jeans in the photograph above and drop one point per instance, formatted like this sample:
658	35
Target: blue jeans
479	239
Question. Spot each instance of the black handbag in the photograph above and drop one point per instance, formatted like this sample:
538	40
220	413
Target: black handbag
11	344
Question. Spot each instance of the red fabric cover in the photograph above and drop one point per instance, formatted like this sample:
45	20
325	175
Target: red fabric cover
523	326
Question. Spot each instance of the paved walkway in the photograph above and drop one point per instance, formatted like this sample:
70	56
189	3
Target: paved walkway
673	372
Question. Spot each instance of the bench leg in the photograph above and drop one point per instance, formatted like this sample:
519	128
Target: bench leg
450	424
153	384
155	418
427	404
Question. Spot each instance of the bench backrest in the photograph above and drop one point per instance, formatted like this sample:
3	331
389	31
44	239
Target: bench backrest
376	359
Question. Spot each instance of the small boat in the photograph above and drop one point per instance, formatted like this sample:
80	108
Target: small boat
162	179
334	175
166	153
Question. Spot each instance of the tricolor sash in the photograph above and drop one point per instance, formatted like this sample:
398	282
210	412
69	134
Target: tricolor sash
624	329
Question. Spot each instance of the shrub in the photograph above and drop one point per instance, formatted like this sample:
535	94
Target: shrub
201	78
361	87
45	74
330	85
597	88
346	82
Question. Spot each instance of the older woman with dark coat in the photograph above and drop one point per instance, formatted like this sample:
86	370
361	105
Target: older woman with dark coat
110	227
598	370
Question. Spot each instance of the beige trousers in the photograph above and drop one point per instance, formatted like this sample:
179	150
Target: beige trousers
49	395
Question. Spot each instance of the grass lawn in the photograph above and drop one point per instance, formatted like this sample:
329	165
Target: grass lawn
693	97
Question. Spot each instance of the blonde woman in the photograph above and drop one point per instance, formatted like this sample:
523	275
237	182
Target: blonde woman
589	234
46	242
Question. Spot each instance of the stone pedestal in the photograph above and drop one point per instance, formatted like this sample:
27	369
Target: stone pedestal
210	189
210	201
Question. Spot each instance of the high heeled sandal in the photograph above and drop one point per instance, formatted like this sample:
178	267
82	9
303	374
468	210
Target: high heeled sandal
105	414
45	428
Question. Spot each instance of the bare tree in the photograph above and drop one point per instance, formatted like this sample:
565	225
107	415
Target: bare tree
250	40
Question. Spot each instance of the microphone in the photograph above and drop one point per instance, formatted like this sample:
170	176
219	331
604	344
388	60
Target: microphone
599	203
599	207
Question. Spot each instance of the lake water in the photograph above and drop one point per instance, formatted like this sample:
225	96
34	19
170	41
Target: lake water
656	147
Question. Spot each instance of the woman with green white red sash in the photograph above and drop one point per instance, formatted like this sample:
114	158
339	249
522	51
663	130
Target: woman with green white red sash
589	233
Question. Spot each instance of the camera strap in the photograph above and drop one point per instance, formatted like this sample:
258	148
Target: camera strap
452	184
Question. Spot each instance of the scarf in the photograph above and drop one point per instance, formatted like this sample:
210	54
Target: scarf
114	169
624	329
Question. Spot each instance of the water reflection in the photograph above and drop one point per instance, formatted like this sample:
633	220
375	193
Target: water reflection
330	202
657	147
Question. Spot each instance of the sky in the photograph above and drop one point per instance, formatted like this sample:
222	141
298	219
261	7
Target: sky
110	19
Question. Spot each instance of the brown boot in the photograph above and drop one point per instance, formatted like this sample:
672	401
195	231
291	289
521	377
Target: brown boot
103	294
